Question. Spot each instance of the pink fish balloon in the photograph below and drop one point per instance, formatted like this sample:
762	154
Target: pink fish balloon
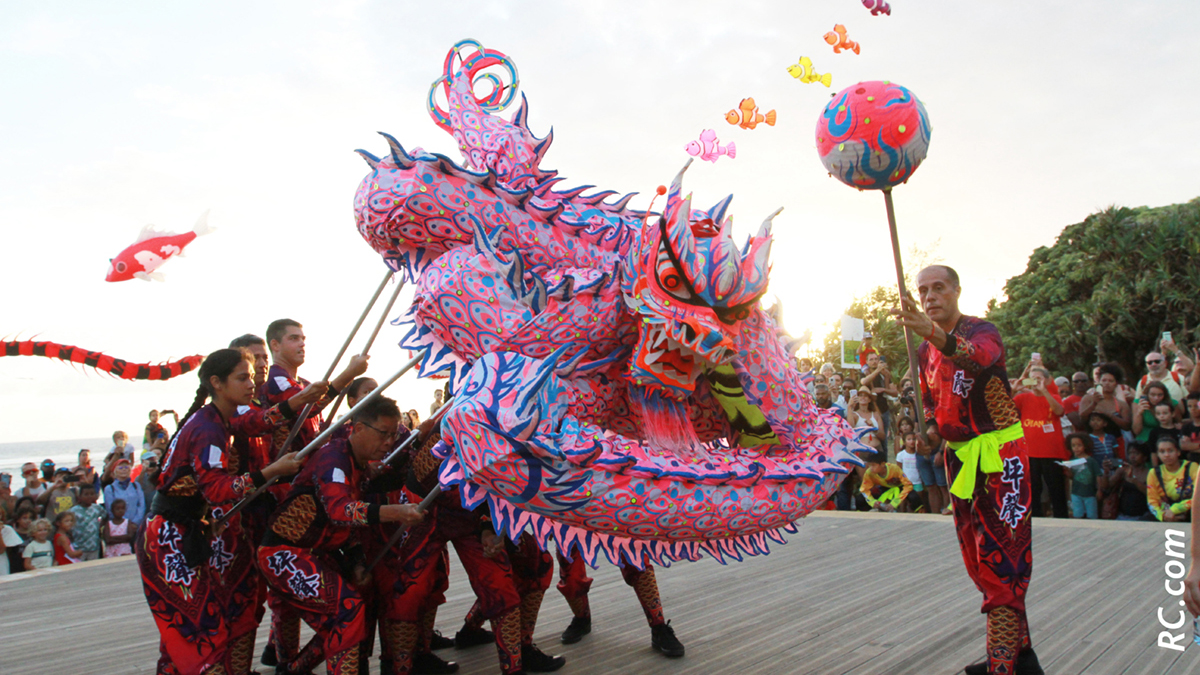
708	148
878	7
142	259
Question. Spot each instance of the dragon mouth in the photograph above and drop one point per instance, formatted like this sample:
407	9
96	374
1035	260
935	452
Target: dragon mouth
664	353
672	347
669	358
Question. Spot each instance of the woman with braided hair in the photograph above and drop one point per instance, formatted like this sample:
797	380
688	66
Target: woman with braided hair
189	571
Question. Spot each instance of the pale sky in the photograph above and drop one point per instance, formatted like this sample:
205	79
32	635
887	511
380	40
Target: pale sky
116	115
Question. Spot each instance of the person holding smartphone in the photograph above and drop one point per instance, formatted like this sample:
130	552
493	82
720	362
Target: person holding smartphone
1041	417
61	495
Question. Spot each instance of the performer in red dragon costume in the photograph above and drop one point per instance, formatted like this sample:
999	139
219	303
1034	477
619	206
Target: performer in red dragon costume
312	553
200	584
964	381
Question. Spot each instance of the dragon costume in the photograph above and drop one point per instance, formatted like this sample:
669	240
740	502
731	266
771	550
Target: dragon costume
618	386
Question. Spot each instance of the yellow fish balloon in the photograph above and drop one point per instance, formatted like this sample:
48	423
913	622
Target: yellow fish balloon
804	72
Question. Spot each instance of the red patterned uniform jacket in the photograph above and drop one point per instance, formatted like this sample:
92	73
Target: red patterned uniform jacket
201	462
278	388
326	508
965	385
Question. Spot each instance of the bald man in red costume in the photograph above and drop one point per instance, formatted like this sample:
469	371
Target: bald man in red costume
965	389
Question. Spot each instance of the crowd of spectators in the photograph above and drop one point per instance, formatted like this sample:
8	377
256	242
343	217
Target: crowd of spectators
58	515
1108	448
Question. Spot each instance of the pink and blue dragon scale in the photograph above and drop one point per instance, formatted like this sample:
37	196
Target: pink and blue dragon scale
618	387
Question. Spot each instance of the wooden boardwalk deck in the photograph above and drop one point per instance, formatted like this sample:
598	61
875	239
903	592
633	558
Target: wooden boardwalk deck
861	594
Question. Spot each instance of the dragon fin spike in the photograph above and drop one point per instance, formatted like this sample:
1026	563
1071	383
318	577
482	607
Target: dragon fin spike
725	233
595	199
623	202
402	159
575	192
533	386
536	295
520	118
483	241
372	160
543	144
543	189
568	368
496	237
717	212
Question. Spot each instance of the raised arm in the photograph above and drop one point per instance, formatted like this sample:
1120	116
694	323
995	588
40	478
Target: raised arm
1155	497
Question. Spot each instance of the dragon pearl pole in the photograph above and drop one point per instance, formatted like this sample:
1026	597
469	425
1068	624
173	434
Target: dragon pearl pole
908	337
375	333
423	506
329	373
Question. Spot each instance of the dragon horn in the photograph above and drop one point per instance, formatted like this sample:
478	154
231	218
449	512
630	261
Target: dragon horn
399	156
765	229
372	160
755	259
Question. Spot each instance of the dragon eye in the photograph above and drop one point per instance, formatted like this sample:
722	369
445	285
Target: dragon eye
670	279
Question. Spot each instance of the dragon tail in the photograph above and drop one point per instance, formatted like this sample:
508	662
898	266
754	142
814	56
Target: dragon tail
102	362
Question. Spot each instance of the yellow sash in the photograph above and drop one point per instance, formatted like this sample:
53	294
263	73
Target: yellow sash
981	453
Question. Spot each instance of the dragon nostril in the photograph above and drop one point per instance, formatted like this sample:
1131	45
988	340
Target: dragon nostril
689	332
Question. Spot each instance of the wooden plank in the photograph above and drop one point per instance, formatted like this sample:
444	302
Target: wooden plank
861	594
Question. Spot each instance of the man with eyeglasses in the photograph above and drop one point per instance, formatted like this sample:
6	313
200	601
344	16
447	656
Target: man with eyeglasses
1080	385
1156	365
311	555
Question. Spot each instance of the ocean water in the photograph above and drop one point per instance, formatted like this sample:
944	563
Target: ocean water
63	453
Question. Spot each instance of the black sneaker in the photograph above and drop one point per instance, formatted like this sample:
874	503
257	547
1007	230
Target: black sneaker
1027	664
469	637
580	626
535	660
439	641
428	663
268	656
662	638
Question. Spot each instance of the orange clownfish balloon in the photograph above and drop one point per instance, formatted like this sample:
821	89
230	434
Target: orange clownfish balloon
837	38
747	115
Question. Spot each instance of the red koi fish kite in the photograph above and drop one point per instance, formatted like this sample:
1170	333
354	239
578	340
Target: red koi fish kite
151	250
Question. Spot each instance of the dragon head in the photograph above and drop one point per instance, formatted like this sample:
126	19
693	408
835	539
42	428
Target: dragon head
692	288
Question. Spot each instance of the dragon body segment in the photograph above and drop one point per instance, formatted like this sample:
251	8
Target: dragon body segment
619	389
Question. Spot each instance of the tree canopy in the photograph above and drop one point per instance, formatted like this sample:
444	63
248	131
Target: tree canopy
1106	290
873	307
